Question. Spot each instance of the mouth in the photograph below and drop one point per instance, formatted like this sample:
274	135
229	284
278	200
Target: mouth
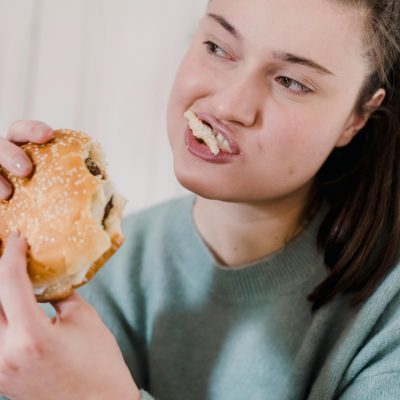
207	130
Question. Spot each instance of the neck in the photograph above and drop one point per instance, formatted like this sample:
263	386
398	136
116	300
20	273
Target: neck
241	233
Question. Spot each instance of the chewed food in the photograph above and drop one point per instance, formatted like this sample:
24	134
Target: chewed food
214	140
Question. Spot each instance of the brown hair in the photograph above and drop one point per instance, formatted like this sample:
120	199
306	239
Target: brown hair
360	235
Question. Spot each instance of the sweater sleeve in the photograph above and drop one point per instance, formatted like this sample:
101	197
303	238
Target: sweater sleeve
385	386
143	396
375	370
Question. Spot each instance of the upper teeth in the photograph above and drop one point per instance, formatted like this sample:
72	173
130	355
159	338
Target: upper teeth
214	140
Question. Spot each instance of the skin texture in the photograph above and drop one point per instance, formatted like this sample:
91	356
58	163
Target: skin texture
284	134
44	358
253	203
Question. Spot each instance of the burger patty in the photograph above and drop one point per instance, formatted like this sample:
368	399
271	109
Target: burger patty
107	210
93	168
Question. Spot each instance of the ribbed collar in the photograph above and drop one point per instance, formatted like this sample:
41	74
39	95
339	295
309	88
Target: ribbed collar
298	263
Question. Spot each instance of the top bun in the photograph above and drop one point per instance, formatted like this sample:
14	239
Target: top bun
67	210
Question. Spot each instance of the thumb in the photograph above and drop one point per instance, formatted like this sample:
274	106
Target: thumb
16	247
16	294
71	305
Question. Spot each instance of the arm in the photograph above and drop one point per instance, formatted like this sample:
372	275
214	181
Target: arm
384	386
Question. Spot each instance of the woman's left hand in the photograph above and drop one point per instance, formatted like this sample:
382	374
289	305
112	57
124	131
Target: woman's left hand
70	356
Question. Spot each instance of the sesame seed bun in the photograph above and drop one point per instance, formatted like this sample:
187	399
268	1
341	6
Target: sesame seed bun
68	211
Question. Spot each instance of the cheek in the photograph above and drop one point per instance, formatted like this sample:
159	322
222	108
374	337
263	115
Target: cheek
190	82
301	143
188	85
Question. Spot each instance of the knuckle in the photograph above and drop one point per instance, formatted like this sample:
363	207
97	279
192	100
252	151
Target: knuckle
8	364
25	347
29	346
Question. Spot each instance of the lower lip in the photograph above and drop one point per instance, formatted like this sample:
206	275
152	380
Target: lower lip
202	151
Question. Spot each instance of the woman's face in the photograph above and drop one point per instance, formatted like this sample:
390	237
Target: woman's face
282	77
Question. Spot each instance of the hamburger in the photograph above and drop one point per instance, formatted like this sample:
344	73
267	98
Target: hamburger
68	211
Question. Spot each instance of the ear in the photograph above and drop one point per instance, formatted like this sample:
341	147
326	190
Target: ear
357	121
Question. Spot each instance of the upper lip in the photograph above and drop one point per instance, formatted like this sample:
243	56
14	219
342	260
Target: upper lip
221	128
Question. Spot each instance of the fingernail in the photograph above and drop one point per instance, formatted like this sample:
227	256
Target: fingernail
42	130
13	235
22	164
5	192
17	235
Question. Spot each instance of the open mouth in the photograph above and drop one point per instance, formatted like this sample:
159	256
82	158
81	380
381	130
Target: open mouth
204	133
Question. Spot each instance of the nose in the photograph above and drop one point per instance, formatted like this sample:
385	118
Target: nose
238	100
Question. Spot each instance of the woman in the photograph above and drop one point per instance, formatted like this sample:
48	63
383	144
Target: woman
208	298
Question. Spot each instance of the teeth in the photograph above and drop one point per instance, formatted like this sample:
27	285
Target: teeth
223	143
214	140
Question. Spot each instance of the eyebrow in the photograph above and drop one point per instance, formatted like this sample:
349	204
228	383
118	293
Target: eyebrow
294	59
279	55
226	25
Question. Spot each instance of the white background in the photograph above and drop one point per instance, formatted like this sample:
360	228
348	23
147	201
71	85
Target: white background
104	67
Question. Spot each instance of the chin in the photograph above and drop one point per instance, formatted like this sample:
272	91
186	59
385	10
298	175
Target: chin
197	184
205	187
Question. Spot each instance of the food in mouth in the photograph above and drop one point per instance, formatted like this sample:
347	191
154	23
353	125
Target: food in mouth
68	211
206	134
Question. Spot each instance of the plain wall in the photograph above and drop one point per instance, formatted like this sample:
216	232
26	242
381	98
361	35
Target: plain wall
104	67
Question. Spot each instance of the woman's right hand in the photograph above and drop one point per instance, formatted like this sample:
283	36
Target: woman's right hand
12	157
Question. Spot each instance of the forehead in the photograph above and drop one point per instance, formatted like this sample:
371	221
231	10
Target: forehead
316	29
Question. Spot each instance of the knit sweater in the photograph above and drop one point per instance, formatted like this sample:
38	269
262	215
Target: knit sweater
190	328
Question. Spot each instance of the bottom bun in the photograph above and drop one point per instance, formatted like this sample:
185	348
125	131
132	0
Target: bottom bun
63	288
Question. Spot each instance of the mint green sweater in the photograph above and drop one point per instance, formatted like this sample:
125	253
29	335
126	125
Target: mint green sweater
191	329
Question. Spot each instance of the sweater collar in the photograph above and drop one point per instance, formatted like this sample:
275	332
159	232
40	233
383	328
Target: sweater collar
299	263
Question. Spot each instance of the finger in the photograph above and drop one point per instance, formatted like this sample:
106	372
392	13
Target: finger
29	131
16	294
3	319
69	305
75	309
5	189
14	159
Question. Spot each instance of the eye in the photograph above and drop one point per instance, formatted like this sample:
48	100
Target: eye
293	86
214	49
